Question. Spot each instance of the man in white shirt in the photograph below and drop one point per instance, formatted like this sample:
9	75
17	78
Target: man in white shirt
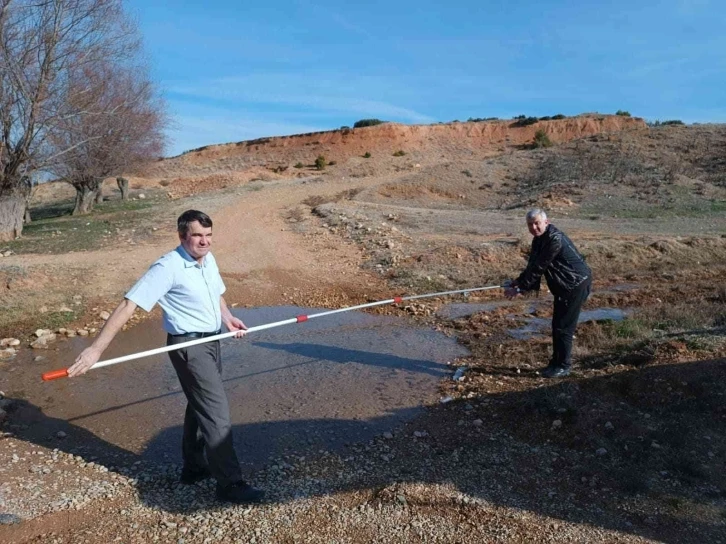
187	285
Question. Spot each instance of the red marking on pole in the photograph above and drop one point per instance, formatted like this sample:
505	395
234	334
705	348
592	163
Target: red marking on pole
55	374
302	318
396	300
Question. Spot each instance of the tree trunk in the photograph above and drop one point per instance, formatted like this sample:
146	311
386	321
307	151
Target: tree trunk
27	220
85	198
13	201
98	196
123	185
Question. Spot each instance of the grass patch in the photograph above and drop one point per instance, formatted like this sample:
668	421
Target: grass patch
54	230
55	320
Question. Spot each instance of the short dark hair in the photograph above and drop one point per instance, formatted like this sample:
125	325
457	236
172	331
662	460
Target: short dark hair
188	217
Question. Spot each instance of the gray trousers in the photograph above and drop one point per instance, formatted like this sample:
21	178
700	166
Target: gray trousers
207	437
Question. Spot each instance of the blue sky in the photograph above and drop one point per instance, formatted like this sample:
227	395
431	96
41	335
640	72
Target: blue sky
235	70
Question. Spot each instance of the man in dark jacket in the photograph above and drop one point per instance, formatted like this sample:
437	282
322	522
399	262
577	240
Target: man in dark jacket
569	279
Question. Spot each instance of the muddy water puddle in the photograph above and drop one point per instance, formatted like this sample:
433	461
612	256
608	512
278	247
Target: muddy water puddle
538	327
535	327
301	388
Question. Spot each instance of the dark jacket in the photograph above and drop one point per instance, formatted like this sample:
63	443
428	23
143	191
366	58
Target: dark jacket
554	255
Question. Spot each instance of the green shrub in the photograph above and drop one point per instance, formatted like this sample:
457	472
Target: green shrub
559	116
320	162
657	123
623	113
524	121
367	155
299	165
332	163
467	173
345	127
367	123
541	139
399	153
480	119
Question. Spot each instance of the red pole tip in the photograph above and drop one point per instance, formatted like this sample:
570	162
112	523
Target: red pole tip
302	318
396	300
55	374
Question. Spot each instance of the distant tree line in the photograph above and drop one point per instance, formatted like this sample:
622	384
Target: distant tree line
657	123
76	100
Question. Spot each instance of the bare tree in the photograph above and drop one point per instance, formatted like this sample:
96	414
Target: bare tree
43	43
123	186
126	131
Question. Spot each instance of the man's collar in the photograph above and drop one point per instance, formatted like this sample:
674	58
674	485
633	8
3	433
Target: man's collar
189	261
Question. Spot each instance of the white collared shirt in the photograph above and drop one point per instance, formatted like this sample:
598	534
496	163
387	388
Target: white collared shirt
188	293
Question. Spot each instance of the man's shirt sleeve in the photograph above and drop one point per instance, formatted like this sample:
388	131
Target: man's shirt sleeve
539	262
153	285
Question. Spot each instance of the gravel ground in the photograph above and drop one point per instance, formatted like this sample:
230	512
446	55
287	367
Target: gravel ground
427	482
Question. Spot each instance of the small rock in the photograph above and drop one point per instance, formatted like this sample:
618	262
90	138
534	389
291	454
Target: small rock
104	315
387	435
39	358
142	196
43	341
82	332
64	308
7	353
41	332
420	434
609	426
478	423
9	342
9	519
61	435
557	423
601	452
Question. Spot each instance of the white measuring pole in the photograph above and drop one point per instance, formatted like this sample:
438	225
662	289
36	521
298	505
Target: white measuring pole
63	373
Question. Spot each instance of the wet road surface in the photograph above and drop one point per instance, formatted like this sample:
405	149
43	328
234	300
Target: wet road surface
296	388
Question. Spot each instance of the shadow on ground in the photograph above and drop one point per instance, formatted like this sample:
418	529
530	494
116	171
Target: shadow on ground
639	451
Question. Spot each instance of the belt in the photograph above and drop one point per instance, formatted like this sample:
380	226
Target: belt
197	334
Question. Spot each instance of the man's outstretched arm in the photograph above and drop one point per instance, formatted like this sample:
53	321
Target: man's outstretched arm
92	353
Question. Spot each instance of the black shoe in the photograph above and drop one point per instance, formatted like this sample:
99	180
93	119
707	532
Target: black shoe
555	372
189	476
240	493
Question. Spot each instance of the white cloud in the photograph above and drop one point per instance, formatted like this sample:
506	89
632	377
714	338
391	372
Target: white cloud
218	126
334	94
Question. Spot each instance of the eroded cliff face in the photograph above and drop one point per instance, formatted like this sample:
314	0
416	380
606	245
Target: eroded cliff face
454	138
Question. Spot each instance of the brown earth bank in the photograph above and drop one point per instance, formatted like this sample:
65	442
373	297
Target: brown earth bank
630	448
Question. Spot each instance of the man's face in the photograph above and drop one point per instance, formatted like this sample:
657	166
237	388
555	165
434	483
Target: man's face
198	240
537	225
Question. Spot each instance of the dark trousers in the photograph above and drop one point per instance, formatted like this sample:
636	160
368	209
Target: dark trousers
564	321
207	437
